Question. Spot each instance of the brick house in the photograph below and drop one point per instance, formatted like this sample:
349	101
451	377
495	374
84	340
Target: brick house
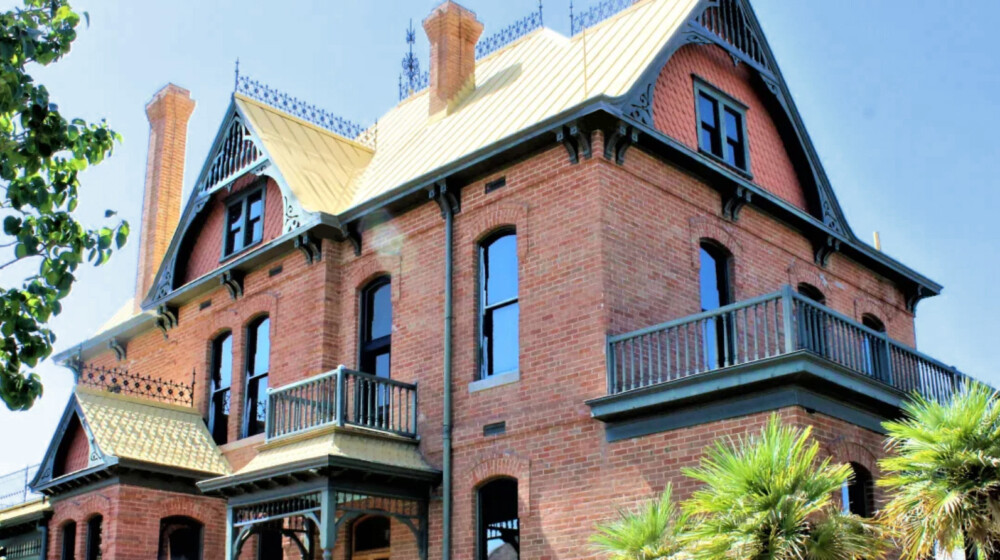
610	248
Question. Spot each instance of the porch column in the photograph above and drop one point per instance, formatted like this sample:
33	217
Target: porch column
328	523
230	549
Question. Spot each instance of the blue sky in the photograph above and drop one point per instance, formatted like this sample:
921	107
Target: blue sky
899	96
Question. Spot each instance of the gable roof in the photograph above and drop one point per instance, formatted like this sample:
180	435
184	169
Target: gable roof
139	431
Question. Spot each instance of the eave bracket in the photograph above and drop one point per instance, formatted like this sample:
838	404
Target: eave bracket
734	201
166	318
233	281
576	140
619	141
310	247
823	248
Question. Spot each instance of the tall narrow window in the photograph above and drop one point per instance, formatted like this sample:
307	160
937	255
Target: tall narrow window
716	292
258	366
498	525
180	539
371	539
812	320
499	317
721	126
68	541
244	221
376	327
94	537
876	352
222	378
857	495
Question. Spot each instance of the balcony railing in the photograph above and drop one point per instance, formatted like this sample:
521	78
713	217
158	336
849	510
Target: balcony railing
124	382
14	489
343	397
765	327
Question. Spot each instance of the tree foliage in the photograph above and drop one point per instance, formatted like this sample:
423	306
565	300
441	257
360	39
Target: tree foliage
41	156
648	532
943	473
768	496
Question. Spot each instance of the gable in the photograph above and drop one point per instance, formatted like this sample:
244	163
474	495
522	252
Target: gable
74	450
770	163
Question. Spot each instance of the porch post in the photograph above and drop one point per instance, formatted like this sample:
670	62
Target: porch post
230	550
423	537
328	522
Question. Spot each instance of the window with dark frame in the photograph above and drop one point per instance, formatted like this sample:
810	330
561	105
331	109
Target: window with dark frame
258	366
498	526
857	495
721	127
376	327
222	379
244	221
181	538
94	537
68	541
498	301
716	292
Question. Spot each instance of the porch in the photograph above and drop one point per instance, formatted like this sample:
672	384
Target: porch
775	350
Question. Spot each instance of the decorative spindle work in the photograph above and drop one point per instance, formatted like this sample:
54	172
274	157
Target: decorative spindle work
595	14
509	34
305	111
237	153
121	381
729	23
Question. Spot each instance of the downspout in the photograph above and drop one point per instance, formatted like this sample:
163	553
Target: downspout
449	206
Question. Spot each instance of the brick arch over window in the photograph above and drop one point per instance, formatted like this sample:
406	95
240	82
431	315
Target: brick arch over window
505	465
803	273
713	230
80	510
487	221
880	310
371	266
843	450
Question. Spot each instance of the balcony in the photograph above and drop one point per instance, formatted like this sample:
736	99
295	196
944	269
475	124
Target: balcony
775	350
343	397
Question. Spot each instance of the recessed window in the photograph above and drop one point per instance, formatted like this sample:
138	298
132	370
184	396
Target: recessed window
180	539
68	541
499	316
371	538
499	529
244	221
716	292
376	327
857	495
258	367
269	542
94	537
222	379
721	127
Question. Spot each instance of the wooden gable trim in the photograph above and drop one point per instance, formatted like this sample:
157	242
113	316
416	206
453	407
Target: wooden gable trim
96	459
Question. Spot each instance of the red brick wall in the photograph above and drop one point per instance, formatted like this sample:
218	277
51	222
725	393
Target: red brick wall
131	521
207	250
77	450
674	114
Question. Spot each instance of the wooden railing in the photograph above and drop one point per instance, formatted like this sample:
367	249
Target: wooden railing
343	397
765	327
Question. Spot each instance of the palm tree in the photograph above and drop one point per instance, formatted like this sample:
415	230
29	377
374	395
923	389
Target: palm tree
767	496
944	473
647	532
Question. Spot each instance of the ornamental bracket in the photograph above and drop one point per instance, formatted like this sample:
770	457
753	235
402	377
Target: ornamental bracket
914	297
118	347
166	318
447	199
310	247
576	140
619	141
823	248
351	234
233	281
734	201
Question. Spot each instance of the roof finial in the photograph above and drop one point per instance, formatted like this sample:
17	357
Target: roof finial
236	83
411	66
571	30
541	22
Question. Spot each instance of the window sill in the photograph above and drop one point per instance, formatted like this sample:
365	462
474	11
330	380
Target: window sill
242	251
743	172
495	381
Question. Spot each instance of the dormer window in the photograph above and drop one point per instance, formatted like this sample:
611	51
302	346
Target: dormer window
721	127
244	221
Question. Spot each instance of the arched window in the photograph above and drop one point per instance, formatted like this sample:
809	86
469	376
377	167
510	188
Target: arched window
180	539
716	291
498	525
876	352
371	538
812	320
94	537
499	313
258	366
222	379
857	495
68	536
376	327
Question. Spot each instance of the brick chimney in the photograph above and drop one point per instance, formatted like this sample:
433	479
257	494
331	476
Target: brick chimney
453	32
168	113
